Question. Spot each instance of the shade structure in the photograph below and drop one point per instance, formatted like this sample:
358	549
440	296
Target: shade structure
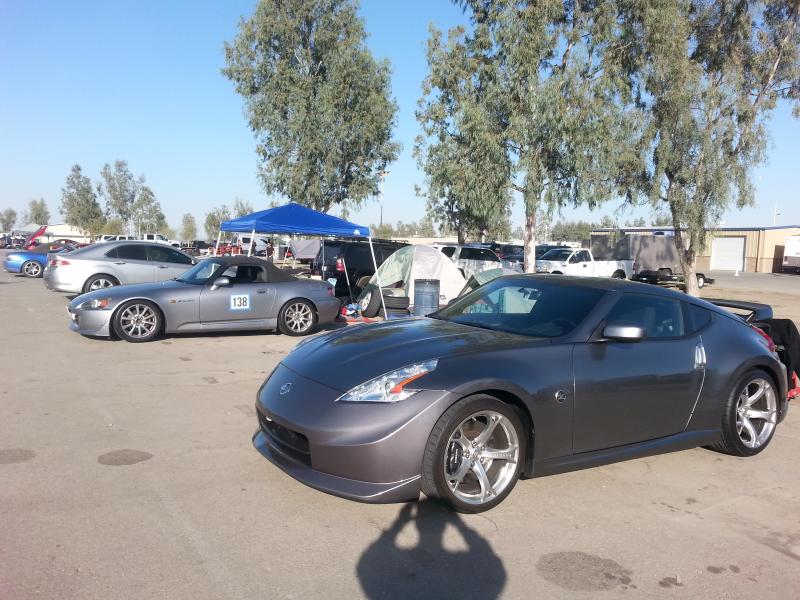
296	219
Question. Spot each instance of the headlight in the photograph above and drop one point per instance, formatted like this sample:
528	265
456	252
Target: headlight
96	304
390	387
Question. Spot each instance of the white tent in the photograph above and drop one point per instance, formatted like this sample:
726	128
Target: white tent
419	262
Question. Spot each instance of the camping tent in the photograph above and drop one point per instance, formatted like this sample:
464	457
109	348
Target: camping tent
420	262
297	219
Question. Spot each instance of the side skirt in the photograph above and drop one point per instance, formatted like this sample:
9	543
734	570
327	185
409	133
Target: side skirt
673	443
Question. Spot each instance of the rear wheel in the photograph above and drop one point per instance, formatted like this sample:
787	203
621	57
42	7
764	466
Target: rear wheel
99	282
31	268
618	275
751	415
297	317
138	321
474	454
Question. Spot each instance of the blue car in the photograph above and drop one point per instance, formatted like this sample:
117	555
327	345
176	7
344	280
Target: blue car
31	263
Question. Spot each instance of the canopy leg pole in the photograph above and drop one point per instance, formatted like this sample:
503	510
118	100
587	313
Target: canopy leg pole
347	278
252	243
216	248
378	276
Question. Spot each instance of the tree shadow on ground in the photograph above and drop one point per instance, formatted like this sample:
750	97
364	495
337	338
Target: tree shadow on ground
389	568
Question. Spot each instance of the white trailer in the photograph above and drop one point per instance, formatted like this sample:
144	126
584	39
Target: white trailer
791	254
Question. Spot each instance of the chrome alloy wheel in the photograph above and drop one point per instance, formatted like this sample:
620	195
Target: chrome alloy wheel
481	457
32	268
756	413
100	283
298	317
138	321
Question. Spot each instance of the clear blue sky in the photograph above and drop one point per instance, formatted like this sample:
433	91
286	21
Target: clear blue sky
92	82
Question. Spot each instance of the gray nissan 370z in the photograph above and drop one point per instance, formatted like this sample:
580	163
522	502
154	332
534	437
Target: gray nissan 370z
525	376
223	293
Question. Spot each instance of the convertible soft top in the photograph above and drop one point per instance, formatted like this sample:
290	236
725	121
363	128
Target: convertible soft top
275	275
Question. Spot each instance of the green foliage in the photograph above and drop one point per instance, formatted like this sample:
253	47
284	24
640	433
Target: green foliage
661	220
571	231
79	204
188	227
462	149
8	219
113	227
119	189
146	215
707	73
214	218
316	99
241	208
37	212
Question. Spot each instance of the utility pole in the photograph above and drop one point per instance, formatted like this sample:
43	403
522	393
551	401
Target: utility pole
382	176
775	214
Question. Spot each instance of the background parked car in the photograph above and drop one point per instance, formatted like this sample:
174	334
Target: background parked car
351	259
471	259
114	263
31	263
581	263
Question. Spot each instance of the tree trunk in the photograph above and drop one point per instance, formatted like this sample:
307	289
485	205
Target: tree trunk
687	256
530	237
462	234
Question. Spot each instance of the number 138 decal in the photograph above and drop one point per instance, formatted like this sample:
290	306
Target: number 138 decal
240	302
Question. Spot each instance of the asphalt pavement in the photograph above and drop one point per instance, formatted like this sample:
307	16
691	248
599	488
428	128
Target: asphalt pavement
127	471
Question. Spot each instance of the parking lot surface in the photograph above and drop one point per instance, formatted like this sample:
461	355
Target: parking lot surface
127	472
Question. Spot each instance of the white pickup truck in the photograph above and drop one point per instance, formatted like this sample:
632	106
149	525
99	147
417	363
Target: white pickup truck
572	261
160	239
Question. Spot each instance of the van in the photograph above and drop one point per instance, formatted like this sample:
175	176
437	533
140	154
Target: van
791	254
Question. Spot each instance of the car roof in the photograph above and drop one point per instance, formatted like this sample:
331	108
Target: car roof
276	274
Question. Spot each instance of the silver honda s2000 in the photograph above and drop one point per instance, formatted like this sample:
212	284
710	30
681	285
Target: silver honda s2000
524	376
218	294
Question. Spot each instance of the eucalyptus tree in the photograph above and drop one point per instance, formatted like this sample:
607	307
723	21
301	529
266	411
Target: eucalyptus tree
188	227
317	100
8	219
37	212
214	218
708	73
119	189
241	208
79	205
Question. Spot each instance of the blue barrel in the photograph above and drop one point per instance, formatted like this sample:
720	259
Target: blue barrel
426	296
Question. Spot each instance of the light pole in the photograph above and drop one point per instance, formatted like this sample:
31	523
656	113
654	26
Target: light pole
382	176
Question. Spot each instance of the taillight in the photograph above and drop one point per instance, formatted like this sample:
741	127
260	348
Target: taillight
340	265
58	262
330	291
768	340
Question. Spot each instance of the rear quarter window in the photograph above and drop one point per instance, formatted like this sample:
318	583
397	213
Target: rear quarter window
696	317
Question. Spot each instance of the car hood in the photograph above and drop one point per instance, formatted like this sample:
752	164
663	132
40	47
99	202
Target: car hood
121	292
345	358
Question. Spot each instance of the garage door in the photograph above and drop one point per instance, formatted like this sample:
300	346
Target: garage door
727	254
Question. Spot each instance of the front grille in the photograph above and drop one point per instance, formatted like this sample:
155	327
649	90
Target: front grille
290	442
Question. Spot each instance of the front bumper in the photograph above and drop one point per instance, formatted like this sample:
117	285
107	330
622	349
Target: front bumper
366	452
90	322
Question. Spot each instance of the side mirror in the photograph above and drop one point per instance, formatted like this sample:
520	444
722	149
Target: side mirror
620	331
220	282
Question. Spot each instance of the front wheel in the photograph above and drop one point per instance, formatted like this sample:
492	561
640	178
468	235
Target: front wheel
138	321
297	317
32	269
474	454
751	415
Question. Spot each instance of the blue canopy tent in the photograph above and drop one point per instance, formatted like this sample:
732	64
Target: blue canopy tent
295	218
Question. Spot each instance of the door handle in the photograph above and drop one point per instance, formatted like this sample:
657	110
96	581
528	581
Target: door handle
163	267
120	262
261	292
699	356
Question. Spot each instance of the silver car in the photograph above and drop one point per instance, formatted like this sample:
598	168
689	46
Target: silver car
114	263
223	293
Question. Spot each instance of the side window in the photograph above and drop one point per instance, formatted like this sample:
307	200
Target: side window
239	274
357	256
132	252
696	317
469	254
112	253
448	251
583	256
159	254
179	258
488	255
573	259
659	317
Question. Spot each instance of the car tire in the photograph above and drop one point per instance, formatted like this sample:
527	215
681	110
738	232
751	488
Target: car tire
456	441
99	282
138	321
370	302
618	275
297	317
740	435
362	282
396	302
32	269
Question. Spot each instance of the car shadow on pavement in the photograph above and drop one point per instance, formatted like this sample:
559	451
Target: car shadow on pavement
392	568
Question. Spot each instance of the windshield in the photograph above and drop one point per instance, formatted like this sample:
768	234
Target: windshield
200	273
525	306
559	254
